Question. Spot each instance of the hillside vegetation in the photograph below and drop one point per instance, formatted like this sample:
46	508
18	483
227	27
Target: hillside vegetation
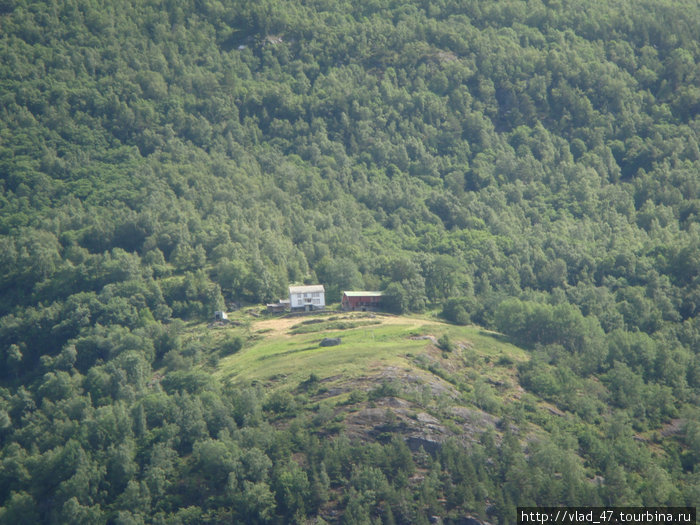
528	167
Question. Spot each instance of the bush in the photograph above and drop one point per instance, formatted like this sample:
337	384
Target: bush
231	345
445	344
281	403
356	396
457	309
310	385
387	389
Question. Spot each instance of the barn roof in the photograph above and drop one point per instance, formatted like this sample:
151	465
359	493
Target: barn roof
363	294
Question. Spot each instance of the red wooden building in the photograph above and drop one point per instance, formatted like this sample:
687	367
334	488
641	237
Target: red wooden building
361	301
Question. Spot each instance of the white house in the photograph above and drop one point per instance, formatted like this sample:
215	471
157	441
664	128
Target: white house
307	298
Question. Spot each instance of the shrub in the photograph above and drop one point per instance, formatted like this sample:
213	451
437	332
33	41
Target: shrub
232	345
445	344
456	309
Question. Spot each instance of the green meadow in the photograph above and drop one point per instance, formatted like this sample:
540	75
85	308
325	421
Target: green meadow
285	358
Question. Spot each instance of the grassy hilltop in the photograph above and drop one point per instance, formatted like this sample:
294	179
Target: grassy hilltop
374	349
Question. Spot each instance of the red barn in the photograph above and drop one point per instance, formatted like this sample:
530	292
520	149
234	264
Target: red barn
362	301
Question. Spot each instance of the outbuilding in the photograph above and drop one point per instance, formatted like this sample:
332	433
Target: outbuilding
220	315
279	307
361	301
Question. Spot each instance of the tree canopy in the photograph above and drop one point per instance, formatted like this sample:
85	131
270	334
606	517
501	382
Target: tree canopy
529	166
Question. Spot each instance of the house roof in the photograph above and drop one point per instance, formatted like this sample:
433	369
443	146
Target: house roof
363	294
307	289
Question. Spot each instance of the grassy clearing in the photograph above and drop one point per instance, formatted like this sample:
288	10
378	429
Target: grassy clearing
398	358
283	360
294	358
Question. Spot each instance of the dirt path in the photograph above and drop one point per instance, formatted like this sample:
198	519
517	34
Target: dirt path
281	325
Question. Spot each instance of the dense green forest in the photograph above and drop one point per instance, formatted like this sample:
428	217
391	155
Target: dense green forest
528	166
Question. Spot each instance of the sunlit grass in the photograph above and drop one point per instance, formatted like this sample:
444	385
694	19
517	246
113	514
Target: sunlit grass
288	360
296	357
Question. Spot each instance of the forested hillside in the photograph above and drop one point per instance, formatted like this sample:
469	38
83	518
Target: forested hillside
530	167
